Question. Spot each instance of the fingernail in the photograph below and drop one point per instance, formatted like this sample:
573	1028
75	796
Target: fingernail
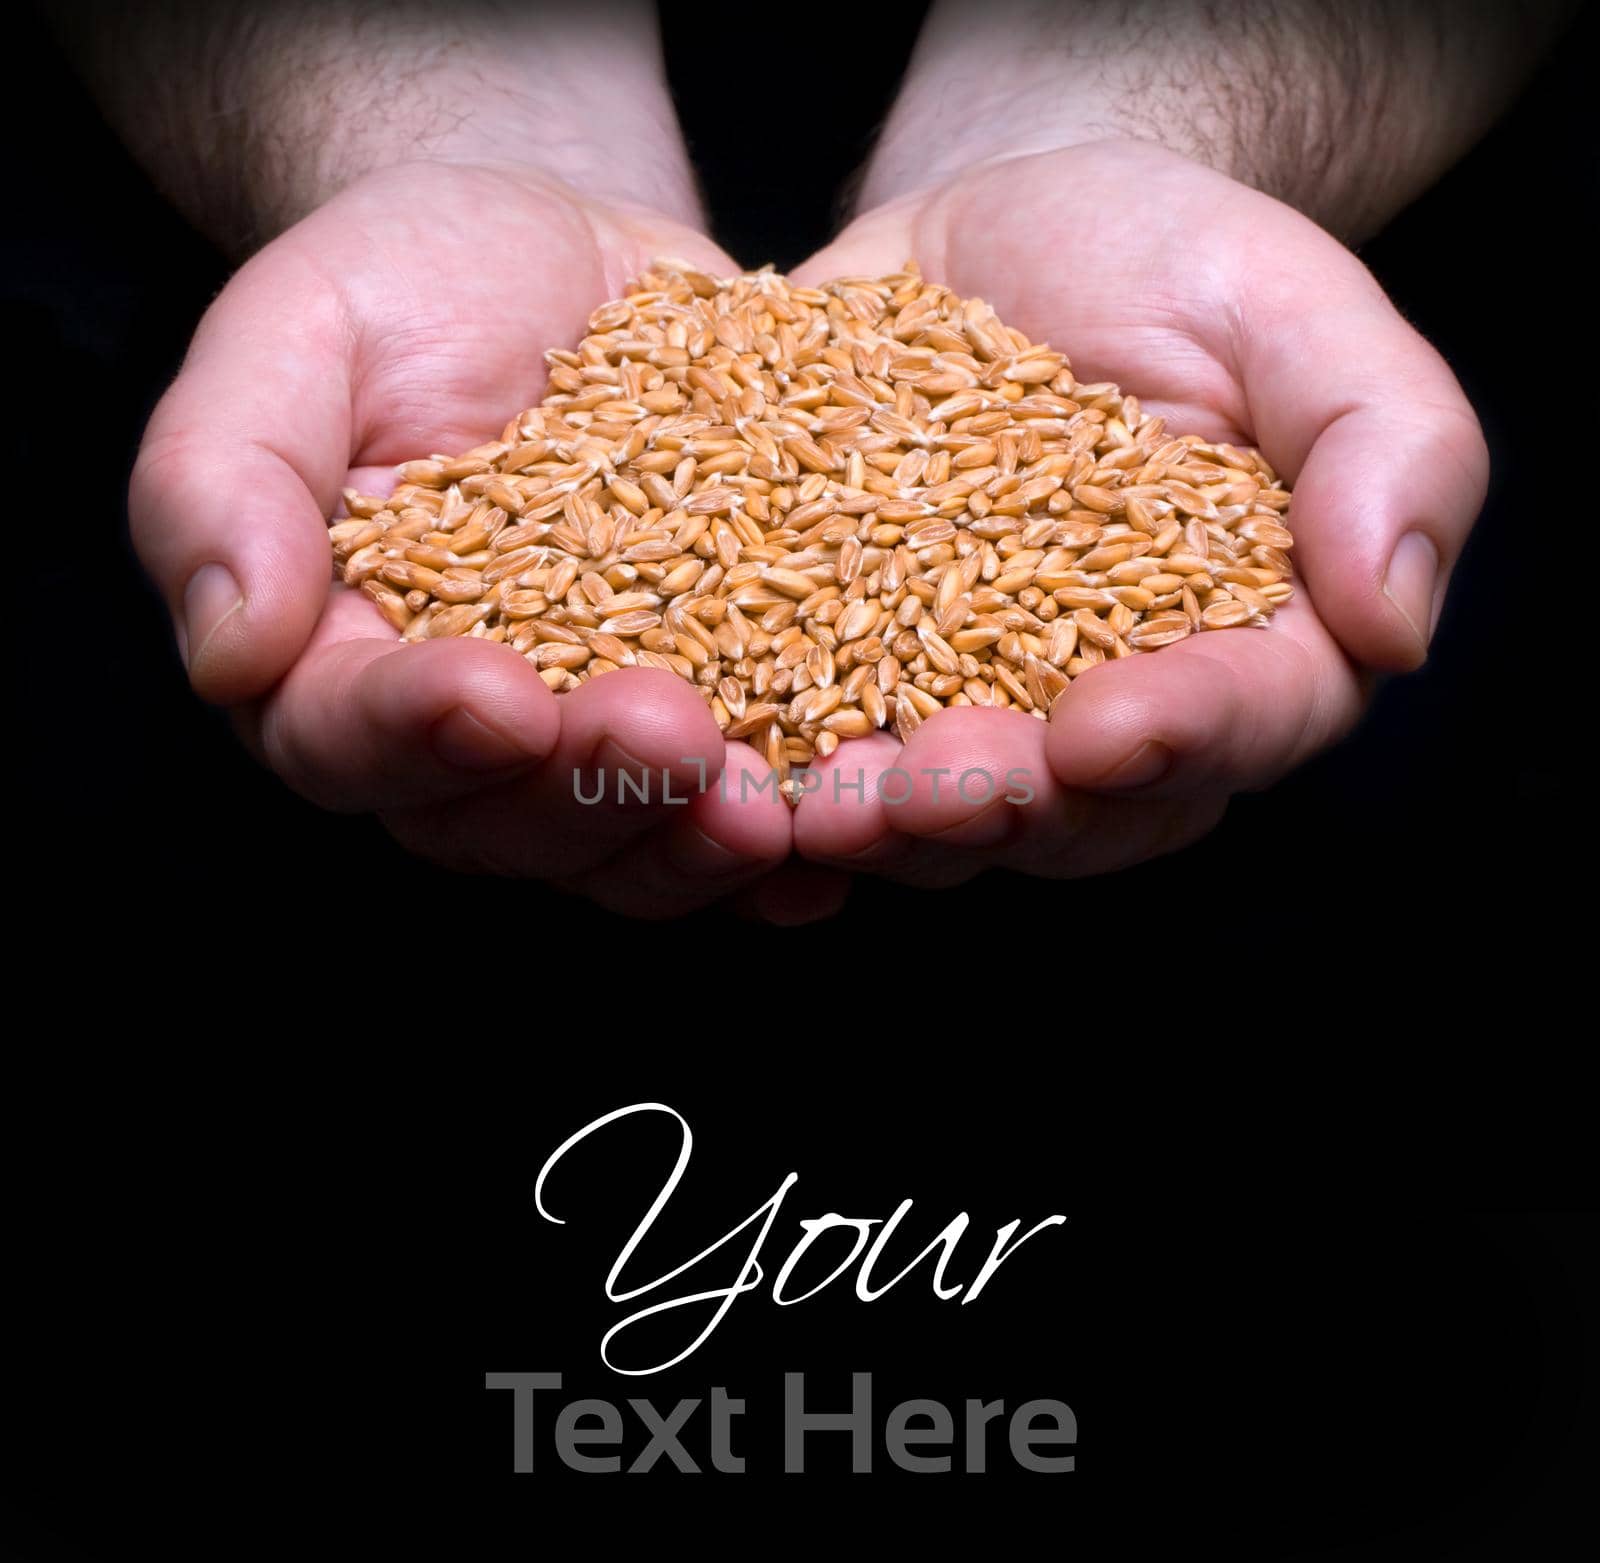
991	826
211	597
461	740
1148	763
1409	585
697	856
609	762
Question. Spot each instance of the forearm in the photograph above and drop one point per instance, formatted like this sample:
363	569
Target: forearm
249	115
1346	109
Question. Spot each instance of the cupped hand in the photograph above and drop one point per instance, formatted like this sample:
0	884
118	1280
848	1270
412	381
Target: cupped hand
1238	319
409	316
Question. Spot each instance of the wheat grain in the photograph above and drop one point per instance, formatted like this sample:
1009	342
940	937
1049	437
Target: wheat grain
832	510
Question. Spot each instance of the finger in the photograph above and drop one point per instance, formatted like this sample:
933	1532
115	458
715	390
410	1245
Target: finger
633	745
238	472
796	894
1221	710
369	723
1112	834
984	793
633	240
877	243
1387	460
972	771
847	819
842	819
720	840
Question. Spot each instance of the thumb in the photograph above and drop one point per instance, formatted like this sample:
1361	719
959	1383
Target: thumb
238	472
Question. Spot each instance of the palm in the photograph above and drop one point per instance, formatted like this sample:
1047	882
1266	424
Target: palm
1146	301
430	319
454	290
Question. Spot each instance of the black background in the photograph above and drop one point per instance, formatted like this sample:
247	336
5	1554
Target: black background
260	1298
277	1094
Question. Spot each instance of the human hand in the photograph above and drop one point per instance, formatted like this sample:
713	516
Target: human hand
407	315
1238	319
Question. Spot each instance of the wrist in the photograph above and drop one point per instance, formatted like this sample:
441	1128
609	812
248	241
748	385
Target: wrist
1048	115
539	114
1015	105
250	117
1343	112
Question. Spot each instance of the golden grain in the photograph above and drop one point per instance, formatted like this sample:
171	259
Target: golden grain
832	510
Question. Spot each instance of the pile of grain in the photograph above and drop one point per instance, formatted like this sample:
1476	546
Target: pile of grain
831	509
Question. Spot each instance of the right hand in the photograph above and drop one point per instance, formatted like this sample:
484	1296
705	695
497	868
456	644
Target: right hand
409	315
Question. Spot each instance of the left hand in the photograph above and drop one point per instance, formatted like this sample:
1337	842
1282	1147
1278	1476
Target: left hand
1240	320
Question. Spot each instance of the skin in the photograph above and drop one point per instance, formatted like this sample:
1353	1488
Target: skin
424	219
1238	319
416	326
444	226
1136	184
